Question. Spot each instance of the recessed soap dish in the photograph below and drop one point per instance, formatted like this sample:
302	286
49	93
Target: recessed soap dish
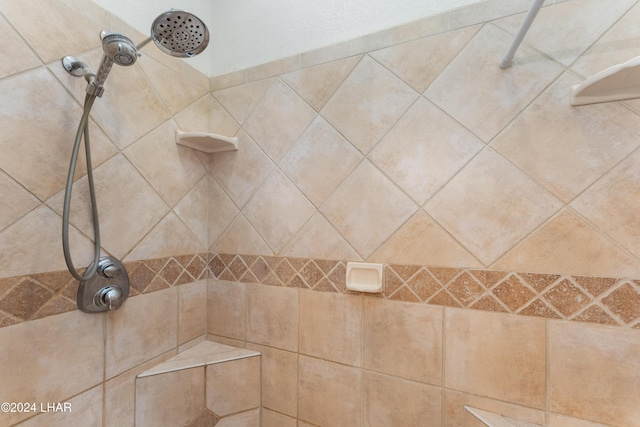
364	277
206	142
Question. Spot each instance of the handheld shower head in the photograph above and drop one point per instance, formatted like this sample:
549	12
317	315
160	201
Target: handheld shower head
179	33
117	49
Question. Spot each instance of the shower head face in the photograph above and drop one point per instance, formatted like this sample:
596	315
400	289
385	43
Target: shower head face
179	33
119	49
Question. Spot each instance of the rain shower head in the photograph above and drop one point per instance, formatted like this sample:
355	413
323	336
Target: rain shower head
179	33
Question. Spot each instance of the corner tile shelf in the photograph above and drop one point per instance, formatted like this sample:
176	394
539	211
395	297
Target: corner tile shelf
206	142
203	354
494	420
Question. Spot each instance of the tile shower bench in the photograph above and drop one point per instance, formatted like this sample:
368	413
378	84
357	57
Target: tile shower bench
206	385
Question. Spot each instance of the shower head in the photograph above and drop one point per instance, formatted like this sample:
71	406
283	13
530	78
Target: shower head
119	49
179	33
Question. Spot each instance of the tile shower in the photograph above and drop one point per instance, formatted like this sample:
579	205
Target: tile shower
506	221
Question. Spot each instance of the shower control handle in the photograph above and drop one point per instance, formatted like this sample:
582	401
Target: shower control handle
109	297
108	269
106	290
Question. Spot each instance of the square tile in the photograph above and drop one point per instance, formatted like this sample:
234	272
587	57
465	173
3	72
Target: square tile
424	150
480	95
496	355
575	147
582	22
266	125
331	327
594	372
363	115
279	379
272	316
226	309
330	393
392	401
367	208
320	160
419	62
278	210
179	395
490	205
233	386
610	204
192	311
403	339
143	328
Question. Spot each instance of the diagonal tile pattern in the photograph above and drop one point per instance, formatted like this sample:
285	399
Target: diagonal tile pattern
374	154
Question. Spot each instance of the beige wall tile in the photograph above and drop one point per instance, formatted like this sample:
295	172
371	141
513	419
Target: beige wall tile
566	244
490	205
330	394
317	84
482	97
120	392
50	360
195	214
362	115
380	210
318	239
84	410
609	203
38	156
403	339
454	414
575	146
129	207
594	372
273	419
245	419
168	238
391	401
226	309
174	89
15	201
582	28
241	100
265	125
272	316
496	355
22	58
420	61
612	48
331	326
419	165
192	311
422	241
233	386
143	328
31	245
174	398
241	238
279	379
37	20
556	420
320	160
170	168
220	210
241	172
278	210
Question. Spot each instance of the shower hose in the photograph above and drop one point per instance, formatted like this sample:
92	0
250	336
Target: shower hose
83	129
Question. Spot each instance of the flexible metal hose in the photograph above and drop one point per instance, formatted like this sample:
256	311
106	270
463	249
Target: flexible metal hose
83	128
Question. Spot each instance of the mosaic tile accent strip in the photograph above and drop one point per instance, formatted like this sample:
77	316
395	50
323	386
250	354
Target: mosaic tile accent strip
608	301
35	296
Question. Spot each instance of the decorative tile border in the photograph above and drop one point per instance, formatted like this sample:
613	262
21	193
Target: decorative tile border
35	296
609	301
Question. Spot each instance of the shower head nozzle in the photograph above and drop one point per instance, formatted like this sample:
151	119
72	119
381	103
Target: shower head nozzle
179	33
119	49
